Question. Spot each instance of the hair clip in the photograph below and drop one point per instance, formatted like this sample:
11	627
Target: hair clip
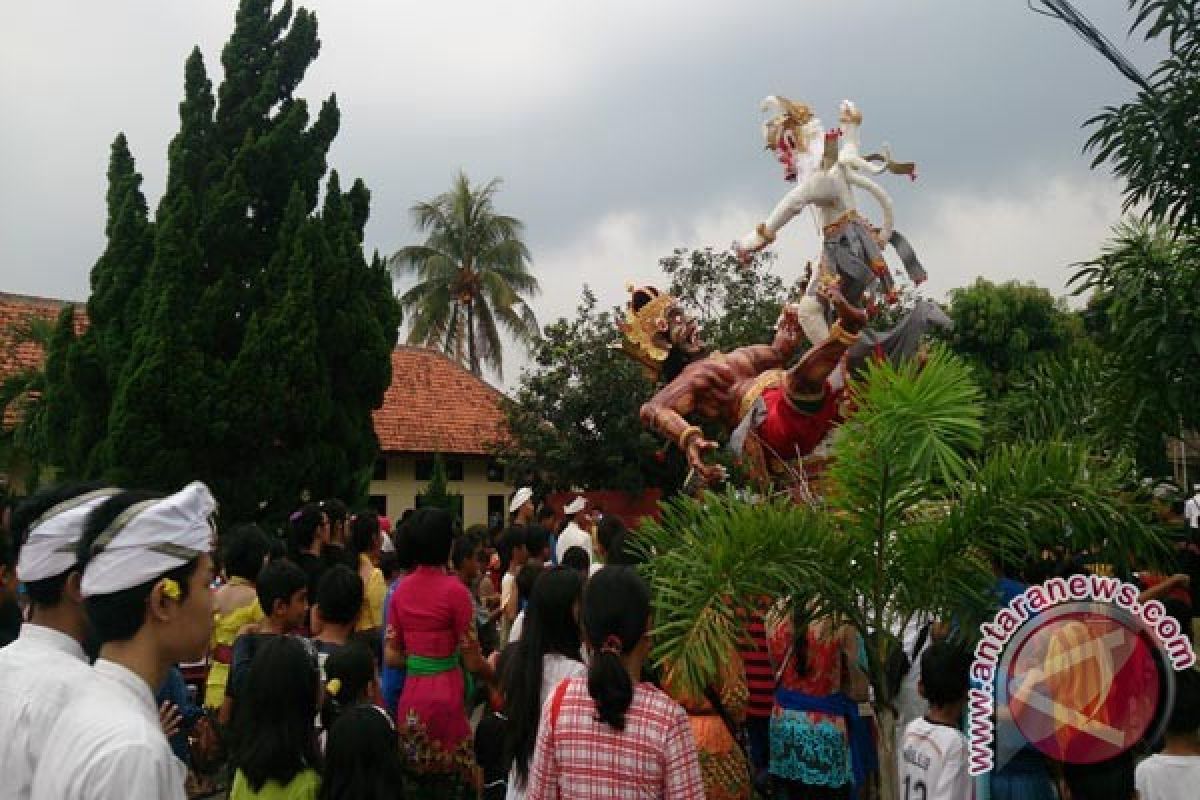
612	644
334	686
170	588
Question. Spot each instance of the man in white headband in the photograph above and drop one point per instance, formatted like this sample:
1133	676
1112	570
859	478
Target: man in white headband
146	575
520	508
42	669
574	535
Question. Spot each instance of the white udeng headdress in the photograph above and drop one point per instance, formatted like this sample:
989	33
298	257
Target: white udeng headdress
49	548
151	538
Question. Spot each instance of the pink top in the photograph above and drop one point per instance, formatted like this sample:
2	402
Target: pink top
580	757
429	614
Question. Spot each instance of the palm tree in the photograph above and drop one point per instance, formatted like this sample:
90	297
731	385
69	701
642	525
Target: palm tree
909	525
472	277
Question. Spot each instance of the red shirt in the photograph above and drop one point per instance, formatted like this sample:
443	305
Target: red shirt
580	757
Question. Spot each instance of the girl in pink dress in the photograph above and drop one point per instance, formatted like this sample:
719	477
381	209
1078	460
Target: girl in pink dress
430	631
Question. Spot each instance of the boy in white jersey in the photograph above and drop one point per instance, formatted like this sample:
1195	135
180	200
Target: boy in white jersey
933	757
1174	773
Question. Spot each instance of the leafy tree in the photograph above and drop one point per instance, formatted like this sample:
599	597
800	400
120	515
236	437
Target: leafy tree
241	336
1143	310
437	493
910	527
472	277
573	419
1004	330
735	305
1151	141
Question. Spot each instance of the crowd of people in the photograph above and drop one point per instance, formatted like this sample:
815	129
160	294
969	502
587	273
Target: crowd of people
343	658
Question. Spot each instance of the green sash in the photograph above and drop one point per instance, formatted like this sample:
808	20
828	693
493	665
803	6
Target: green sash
427	666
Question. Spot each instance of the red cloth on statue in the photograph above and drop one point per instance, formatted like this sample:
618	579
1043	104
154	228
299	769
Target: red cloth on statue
788	433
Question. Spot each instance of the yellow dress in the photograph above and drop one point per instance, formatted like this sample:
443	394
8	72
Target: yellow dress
225	630
374	591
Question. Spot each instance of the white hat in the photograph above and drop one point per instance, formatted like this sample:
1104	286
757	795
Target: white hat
520	498
576	505
49	549
150	538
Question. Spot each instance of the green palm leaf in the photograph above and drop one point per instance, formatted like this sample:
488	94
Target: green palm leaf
473	259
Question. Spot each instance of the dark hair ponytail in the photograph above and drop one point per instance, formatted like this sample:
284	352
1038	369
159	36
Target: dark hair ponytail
616	604
801	619
348	672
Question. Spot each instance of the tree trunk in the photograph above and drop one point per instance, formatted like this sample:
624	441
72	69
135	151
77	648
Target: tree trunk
889	780
474	361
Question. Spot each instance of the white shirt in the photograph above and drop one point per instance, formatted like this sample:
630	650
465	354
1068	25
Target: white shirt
518	625
1191	510
933	762
108	745
555	669
508	593
574	536
39	672
909	702
1167	777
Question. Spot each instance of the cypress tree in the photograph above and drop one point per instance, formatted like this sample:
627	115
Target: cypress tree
242	337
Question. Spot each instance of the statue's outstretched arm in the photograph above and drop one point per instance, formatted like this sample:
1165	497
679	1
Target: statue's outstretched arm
785	210
860	164
664	414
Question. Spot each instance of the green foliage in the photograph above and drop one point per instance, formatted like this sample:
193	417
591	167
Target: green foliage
1145	311
1151	141
735	305
437	493
709	560
472	272
241	337
573	419
1005	330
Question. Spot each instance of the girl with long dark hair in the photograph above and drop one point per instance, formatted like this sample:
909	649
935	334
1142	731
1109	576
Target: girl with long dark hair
607	734
547	653
275	744
361	759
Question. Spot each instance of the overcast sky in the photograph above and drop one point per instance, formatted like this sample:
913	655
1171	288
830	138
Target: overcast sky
621	129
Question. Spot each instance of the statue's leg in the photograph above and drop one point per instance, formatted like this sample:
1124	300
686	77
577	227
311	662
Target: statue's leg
812	319
805	382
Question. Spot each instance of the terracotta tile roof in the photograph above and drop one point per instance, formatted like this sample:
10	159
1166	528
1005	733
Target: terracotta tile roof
434	405
15	310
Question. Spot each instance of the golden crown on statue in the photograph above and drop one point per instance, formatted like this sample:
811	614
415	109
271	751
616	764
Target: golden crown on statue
644	327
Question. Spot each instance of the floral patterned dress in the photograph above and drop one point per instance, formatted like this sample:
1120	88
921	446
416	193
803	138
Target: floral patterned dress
809	747
430	614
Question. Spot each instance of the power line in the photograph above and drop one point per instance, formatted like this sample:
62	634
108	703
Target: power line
1063	11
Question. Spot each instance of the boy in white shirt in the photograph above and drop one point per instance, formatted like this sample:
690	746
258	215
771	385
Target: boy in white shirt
933	758
1174	773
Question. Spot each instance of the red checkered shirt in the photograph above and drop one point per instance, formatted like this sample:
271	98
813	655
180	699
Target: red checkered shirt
582	758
